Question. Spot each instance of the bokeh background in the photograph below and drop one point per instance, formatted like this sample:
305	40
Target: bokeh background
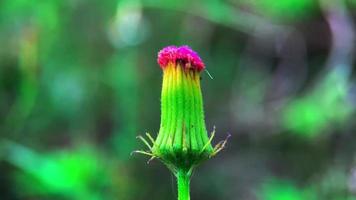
79	81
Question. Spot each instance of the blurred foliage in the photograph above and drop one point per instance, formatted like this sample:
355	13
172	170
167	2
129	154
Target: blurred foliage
79	81
287	10
328	105
285	190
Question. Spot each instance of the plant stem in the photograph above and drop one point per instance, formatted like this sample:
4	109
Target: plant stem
183	182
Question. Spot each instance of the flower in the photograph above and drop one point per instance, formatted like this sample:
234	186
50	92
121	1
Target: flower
182	142
183	55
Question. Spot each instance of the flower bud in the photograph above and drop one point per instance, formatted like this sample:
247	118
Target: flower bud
182	141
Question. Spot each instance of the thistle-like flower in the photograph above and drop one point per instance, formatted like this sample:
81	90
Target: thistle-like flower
182	142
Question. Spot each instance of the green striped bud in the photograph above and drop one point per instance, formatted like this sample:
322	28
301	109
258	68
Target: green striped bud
182	142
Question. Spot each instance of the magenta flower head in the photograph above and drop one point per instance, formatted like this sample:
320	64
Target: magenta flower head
183	55
182	142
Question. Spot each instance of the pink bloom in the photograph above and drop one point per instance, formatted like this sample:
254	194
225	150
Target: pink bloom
183	55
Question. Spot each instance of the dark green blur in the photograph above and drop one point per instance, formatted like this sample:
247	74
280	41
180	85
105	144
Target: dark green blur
79	81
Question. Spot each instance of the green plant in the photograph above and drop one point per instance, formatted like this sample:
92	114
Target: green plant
182	142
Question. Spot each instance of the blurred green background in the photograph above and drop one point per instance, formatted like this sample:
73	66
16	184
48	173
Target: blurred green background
79	81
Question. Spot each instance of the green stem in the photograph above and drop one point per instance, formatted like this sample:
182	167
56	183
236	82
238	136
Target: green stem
183	182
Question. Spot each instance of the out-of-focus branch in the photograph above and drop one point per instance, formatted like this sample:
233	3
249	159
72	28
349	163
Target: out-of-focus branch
343	34
236	19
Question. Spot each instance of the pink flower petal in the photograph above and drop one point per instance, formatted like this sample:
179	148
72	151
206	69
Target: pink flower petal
183	54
